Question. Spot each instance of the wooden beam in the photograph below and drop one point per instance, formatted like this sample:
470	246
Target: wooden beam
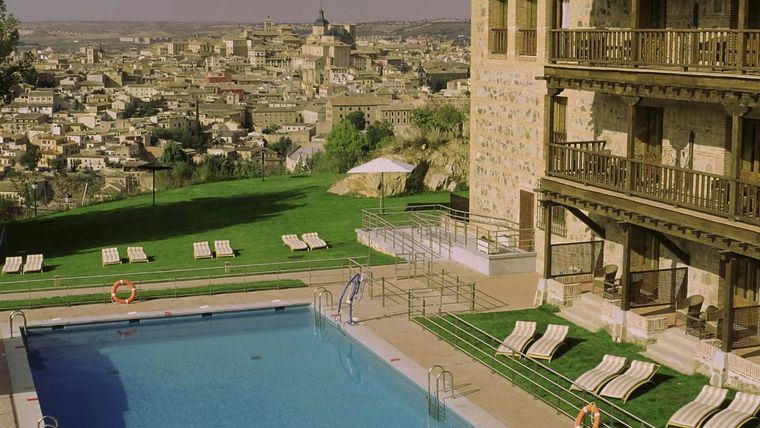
730	268
673	247
625	277
588	221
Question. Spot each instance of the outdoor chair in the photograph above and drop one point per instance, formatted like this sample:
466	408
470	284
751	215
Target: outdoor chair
742	409
223	249
521	335
294	243
638	374
314	241
713	318
694	413
604	279
110	256
688	309
201	250
137	255
33	263
592	380
545	347
13	265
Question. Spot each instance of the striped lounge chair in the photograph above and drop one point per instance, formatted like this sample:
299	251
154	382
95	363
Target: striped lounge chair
742	409
223	249
693	414
522	334
638	374
33	263
294	243
110	256
137	255
314	241
545	347
594	379
201	250
13	265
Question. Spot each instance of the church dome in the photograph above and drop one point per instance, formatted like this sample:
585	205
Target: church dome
321	21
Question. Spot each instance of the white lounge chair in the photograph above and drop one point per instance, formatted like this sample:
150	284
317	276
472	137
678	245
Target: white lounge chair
595	378
742	409
638	374
223	249
110	256
201	250
693	414
314	241
13	265
294	243
33	263
521	335
137	255
545	347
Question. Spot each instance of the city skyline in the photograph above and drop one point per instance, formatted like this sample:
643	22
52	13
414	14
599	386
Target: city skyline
245	11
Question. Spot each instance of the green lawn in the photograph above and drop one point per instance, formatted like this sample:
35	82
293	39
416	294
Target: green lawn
585	350
250	213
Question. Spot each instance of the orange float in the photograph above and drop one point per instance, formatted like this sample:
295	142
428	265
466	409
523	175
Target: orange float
123	283
589	408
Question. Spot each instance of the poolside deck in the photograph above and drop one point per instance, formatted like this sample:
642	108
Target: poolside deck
380	326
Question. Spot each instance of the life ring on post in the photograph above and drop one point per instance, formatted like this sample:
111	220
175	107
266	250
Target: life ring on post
125	283
589	408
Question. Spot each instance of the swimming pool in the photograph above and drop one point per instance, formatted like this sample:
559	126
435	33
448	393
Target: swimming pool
253	368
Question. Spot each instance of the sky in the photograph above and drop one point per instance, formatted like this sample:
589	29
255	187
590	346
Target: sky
235	10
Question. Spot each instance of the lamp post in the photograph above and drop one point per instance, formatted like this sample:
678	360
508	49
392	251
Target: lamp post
34	196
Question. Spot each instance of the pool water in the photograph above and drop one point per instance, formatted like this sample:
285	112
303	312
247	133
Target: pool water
243	369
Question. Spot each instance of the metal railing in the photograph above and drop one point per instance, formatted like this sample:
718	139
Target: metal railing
746	327
13	315
541	381
575	259
657	287
67	291
436	398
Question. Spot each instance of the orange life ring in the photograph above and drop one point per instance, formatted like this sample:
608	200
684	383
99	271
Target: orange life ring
127	283
589	408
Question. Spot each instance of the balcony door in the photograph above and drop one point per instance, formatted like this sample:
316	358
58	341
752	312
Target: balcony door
753	10
527	220
649	132
750	167
653	14
747	282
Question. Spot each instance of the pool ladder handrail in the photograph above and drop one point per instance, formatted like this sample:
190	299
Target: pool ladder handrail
47	422
13	315
322	296
438	397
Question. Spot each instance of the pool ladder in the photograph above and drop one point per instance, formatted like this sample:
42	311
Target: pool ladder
47	422
322	296
15	314
437	398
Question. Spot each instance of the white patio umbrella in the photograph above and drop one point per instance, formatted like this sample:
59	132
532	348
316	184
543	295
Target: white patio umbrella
382	166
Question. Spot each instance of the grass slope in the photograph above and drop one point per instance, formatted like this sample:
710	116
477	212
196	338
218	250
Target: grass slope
252	214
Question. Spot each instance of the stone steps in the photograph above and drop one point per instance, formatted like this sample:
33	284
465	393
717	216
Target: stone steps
675	349
585	312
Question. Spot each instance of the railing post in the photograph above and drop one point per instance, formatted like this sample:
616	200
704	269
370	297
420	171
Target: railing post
382	289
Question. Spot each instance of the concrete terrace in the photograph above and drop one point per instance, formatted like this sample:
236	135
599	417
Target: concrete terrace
385	329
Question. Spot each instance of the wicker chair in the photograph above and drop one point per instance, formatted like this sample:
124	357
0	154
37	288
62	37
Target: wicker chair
713	320
688	309
604	279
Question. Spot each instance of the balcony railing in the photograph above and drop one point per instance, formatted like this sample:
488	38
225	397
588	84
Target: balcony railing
527	42
589	163
498	40
708	50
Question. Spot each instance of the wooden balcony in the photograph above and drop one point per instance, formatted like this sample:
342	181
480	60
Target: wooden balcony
498	41
588	163
527	42
706	50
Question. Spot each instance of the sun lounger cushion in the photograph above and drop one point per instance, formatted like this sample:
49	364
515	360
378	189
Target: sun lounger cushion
593	379
622	386
110	256
544	347
314	241
223	249
201	250
13	264
523	333
694	413
294	242
743	408
137	255
33	263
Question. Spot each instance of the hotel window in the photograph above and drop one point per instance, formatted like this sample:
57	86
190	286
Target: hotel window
559	223
559	127
497	20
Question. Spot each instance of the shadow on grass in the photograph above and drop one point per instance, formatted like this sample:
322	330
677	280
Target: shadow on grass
658	379
567	346
141	223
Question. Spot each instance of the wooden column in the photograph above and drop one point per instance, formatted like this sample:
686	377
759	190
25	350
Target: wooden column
625	278
549	125
728	300
742	22
635	23
547	207
736	113
632	103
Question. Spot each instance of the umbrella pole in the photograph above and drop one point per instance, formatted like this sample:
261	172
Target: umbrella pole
154	187
382	193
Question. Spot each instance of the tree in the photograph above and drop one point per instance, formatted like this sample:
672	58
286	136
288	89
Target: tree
30	157
445	119
14	69
377	134
282	146
57	164
357	119
343	148
174	154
